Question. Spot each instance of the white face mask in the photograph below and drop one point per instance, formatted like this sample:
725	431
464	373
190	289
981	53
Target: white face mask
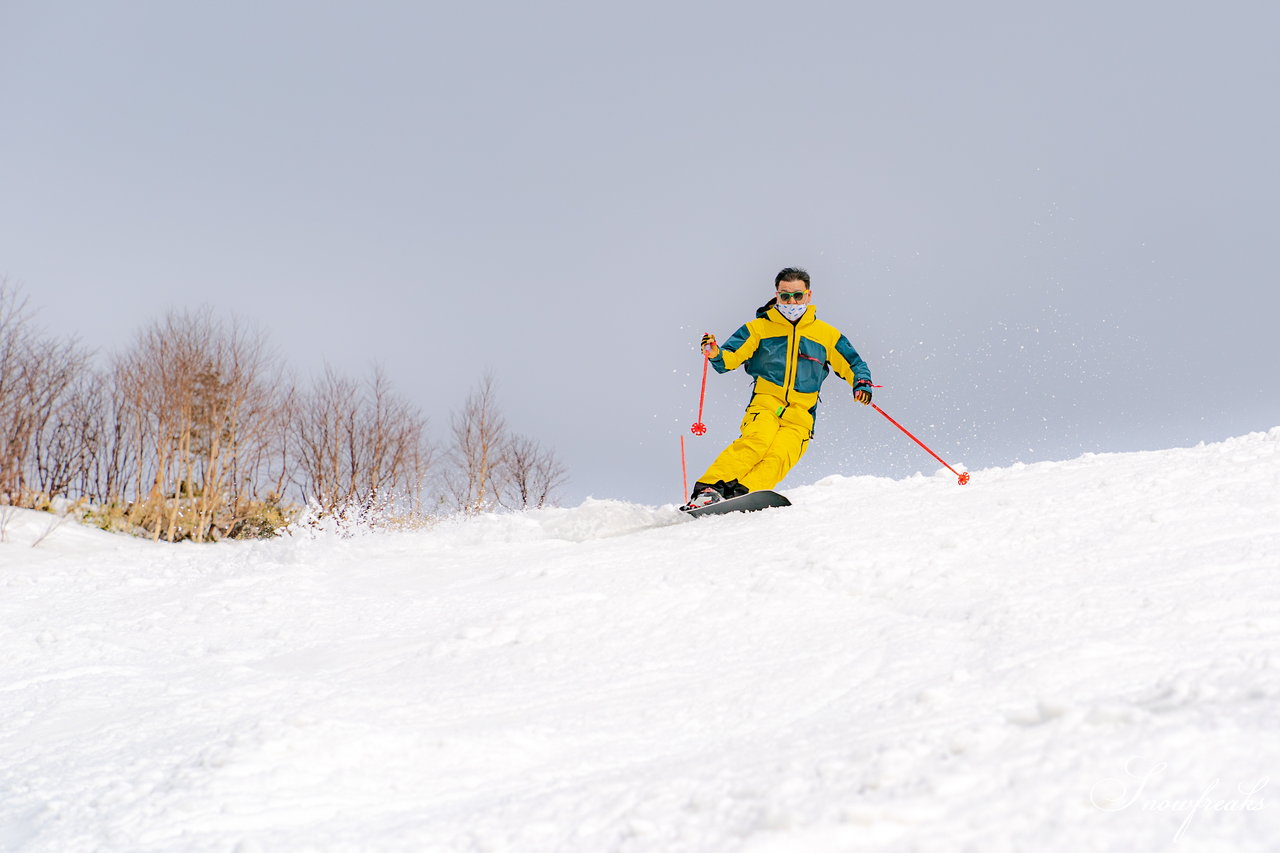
791	311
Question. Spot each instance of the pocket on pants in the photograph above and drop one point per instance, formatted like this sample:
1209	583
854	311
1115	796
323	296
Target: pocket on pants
795	416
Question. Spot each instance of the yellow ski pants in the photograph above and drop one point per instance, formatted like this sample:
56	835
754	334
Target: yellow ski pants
774	437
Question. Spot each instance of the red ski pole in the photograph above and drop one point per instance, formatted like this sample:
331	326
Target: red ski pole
684	471
963	478
699	428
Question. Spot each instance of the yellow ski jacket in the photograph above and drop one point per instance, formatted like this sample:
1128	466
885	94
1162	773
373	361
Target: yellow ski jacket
790	361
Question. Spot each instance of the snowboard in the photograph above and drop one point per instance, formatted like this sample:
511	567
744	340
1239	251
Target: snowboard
750	502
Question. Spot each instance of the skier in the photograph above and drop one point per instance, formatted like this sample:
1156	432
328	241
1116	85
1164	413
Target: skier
789	351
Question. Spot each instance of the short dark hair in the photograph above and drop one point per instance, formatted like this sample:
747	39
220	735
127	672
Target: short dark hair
791	274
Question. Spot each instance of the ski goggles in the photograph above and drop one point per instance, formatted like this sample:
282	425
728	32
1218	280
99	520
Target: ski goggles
792	295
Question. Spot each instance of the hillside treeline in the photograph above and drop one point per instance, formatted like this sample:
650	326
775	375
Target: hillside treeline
196	430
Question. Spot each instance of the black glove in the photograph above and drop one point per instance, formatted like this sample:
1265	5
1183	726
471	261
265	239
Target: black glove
862	391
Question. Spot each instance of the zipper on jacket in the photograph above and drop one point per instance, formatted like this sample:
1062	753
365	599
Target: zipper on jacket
793	364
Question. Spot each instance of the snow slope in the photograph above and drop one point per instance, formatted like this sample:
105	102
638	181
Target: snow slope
1070	656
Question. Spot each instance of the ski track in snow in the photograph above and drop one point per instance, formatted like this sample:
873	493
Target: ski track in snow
1073	656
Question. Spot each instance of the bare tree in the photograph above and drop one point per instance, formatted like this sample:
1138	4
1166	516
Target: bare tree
35	375
487	466
149	378
199	399
357	447
477	453
62	450
323	430
91	440
530	474
14	337
58	446
236	404
398	455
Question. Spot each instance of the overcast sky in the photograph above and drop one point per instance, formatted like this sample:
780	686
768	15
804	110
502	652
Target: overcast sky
1048	228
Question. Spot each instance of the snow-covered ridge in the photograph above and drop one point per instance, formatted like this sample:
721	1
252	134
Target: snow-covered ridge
1058	656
